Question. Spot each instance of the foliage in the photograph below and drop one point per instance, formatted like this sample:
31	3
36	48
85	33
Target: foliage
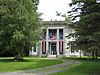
87	29
67	18
18	25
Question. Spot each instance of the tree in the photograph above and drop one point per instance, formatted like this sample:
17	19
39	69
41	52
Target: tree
19	24
87	29
67	18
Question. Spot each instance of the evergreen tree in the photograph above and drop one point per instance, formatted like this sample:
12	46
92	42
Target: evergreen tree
87	29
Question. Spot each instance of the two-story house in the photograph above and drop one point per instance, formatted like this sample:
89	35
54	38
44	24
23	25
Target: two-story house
54	41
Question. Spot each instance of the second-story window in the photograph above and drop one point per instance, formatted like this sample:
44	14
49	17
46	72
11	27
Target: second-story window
60	33
52	34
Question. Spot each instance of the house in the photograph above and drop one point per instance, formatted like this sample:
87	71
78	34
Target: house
54	41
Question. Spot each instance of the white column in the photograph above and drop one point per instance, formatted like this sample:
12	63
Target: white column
57	41
64	41
47	34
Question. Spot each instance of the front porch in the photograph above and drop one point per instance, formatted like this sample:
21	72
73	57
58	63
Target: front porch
52	48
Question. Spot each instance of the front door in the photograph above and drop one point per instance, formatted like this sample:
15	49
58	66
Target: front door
53	48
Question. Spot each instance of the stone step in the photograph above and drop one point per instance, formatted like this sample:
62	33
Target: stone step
51	56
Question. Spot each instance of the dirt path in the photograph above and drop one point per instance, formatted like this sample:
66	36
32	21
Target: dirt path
45	70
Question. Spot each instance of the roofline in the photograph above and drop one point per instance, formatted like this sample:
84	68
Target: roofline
54	22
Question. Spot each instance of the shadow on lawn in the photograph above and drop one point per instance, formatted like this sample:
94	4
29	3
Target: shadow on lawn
12	60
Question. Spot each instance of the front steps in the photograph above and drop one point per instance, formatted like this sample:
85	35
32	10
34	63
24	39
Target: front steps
52	56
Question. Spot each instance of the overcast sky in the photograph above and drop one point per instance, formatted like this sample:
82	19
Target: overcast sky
49	8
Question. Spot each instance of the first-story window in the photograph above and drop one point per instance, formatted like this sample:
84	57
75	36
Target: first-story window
72	51
72	47
34	49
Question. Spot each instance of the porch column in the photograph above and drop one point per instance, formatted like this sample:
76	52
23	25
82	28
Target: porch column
64	39
57	42
47	34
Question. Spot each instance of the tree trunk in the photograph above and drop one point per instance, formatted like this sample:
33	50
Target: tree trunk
93	55
18	57
96	54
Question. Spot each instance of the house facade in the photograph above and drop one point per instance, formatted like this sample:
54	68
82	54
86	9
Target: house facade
54	41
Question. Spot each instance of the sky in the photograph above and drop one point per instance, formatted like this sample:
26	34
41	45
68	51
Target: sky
49	8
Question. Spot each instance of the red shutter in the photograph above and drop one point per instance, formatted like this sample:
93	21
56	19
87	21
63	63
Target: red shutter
60	46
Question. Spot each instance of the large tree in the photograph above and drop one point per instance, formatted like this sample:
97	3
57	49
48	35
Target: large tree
19	24
87	28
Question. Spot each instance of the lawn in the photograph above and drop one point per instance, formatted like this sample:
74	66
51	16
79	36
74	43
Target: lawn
88	67
8	64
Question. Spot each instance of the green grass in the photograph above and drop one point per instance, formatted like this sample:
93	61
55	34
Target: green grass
8	64
88	67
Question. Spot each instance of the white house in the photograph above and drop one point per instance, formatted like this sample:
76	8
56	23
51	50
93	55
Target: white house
54	41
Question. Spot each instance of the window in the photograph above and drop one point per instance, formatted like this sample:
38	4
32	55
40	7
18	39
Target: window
52	34
72	51
34	49
72	47
60	33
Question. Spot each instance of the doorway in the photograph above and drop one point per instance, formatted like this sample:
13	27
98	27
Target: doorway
53	48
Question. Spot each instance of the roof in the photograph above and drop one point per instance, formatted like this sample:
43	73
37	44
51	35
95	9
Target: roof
53	22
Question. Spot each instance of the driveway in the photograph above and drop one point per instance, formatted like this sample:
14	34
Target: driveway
45	70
